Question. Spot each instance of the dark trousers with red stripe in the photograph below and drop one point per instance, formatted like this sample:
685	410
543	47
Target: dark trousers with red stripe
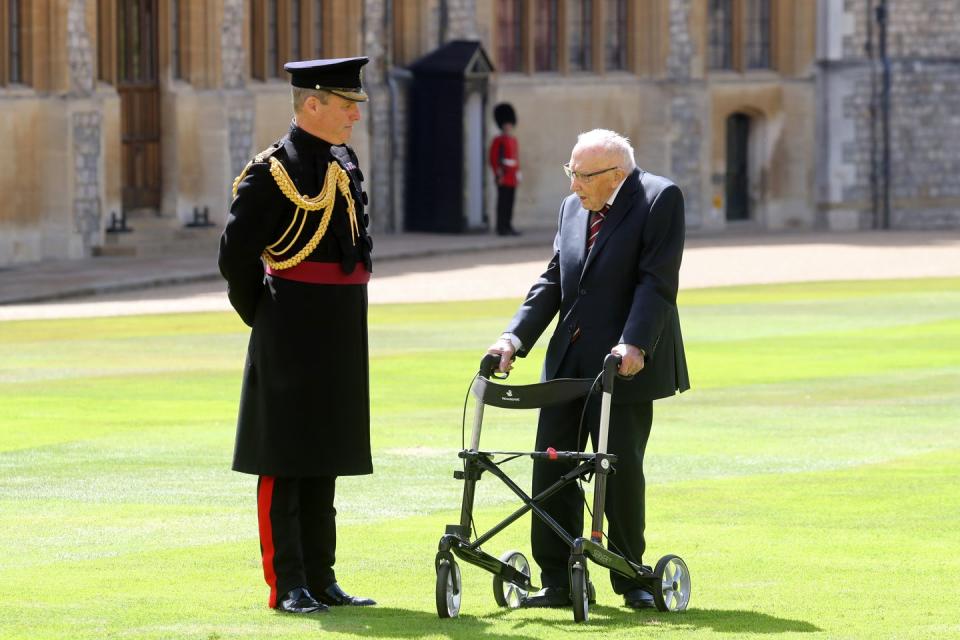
298	533
559	427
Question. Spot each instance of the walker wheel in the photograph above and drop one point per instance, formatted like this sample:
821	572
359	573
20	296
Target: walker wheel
580	592
448	589
506	593
672	592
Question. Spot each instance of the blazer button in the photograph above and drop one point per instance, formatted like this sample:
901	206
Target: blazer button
583	292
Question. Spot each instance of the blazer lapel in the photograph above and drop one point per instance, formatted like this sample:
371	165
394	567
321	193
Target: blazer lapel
616	214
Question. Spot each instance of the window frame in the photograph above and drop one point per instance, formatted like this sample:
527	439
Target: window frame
24	42
180	48
588	62
546	52
739	42
598	42
520	39
625	46
260	66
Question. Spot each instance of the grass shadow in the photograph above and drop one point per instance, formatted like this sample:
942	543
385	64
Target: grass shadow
377	622
392	622
719	620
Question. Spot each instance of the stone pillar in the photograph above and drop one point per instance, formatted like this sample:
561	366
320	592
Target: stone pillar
378	166
84	154
239	103
686	114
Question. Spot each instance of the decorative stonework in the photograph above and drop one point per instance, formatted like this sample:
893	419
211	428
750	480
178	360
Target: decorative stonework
233	54
686	114
461	20
924	54
681	42
79	50
86	176
376	167
240	132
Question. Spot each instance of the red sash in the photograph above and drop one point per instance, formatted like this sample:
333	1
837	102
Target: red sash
322	273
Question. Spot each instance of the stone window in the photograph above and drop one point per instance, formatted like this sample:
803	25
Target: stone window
316	30
14	41
283	30
564	36
580	35
739	35
721	34
510	40
757	40
106	44
545	35
616	35
179	39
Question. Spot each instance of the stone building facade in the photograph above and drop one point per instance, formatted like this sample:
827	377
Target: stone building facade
768	113
922	181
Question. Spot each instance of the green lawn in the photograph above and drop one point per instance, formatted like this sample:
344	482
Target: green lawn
811	479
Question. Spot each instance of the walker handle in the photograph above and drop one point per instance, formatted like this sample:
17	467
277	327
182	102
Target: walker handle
489	364
611	367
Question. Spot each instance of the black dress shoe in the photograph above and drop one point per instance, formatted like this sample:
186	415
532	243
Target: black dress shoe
638	599
299	600
334	596
548	597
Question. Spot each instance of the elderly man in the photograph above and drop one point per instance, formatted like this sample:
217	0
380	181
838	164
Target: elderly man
613	280
296	256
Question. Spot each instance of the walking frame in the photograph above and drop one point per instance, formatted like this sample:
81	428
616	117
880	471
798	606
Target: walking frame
669	581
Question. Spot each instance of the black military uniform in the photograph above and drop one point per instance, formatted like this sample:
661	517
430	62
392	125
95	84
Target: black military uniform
296	256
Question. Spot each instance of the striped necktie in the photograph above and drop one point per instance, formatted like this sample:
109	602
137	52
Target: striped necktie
596	221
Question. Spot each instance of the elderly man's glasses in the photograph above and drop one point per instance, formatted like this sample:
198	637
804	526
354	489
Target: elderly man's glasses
583	177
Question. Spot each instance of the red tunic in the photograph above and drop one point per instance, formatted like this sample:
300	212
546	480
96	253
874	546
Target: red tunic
505	160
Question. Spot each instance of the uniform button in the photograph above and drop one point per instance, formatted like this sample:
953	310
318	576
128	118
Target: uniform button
583	292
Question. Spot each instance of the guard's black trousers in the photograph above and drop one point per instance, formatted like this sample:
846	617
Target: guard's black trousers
505	197
298	533
624	506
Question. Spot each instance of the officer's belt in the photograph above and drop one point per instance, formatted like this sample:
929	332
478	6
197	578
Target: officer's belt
322	273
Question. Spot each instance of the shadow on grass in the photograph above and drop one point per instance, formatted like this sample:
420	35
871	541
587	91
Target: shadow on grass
720	620
378	622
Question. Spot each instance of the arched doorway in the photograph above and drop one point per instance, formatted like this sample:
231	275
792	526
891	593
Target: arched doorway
738	168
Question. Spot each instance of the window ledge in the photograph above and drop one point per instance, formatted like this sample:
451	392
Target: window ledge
726	75
17	91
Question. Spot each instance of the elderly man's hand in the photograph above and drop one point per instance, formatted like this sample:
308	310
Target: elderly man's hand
503	348
631	359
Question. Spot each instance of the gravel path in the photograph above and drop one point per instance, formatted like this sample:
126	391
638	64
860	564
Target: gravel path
508	273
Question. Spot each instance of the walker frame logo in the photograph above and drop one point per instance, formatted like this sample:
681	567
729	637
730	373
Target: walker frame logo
509	397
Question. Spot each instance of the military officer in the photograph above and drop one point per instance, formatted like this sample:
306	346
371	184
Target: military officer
296	257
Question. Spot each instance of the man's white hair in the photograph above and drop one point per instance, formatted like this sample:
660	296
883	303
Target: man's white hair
609	142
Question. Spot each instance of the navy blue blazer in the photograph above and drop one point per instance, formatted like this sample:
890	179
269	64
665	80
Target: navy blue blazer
624	290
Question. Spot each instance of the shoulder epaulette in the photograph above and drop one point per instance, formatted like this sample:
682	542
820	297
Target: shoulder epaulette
261	157
269	151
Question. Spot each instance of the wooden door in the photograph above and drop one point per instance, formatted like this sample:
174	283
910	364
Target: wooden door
139	91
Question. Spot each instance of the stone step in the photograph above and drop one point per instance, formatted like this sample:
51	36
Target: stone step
152	235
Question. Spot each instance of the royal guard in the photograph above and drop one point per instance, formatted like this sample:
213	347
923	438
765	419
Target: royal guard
505	161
